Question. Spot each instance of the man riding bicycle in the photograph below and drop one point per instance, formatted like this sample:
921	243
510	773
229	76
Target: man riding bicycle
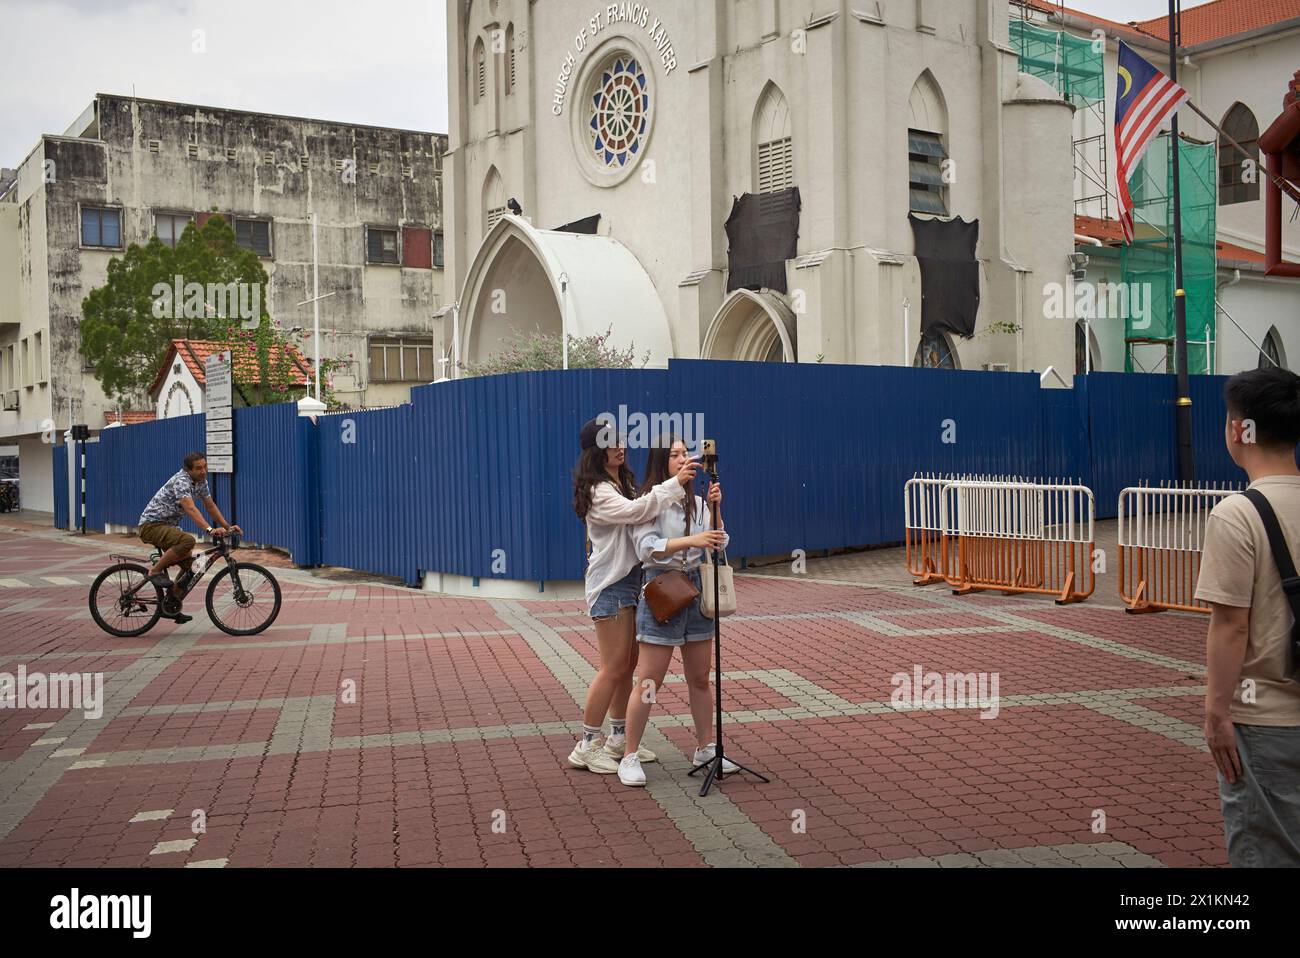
160	522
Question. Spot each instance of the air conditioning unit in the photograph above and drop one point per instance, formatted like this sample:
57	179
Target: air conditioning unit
997	367
11	401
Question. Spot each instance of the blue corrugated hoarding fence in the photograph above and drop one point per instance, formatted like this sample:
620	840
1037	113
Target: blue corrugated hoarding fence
473	477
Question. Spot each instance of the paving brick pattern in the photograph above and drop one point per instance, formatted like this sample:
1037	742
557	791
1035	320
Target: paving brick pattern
377	726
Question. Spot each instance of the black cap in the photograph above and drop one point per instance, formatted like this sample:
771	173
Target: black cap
590	433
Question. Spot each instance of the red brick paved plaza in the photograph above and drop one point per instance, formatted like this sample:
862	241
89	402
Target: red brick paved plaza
214	751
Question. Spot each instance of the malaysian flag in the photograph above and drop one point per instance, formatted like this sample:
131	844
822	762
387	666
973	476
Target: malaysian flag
1144	98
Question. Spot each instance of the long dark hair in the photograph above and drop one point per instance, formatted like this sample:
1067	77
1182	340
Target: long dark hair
656	471
590	472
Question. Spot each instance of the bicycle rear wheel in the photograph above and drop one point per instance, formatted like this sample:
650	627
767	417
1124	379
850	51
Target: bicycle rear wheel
246	603
119	614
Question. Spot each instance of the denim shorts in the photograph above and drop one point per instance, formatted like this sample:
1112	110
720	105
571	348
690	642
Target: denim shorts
688	625
1261	811
618	596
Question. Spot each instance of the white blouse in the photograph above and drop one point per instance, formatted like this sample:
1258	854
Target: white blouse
652	536
609	525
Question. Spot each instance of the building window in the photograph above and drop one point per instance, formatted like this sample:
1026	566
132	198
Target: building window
439	255
618	112
773	144
401	359
101	227
510	59
381	246
1239	124
935	352
168	227
480	71
1270	352
38	357
926	155
254	235
494	200
417	243
925	161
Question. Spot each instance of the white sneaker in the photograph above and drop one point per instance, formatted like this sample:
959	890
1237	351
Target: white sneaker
616	744
593	758
629	771
703	756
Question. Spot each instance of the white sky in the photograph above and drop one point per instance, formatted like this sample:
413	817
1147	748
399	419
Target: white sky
381	62
1125	10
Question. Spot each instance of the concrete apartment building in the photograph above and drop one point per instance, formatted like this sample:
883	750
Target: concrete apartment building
131	168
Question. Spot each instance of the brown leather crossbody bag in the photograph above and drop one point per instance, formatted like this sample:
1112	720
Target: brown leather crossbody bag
670	592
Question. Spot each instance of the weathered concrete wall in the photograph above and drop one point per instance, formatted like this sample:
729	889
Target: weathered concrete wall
175	157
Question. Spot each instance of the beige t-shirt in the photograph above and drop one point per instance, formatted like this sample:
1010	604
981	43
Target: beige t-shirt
1237	568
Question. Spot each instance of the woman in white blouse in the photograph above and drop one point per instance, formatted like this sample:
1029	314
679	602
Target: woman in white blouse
604	496
663	544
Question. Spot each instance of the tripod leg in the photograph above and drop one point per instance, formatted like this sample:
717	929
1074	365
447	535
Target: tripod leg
714	767
743	768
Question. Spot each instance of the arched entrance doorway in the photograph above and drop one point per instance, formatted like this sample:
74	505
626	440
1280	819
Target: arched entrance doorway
759	327
524	279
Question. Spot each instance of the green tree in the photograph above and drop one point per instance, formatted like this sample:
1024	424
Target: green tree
127	325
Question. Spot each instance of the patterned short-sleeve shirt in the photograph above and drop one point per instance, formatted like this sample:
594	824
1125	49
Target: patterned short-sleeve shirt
165	506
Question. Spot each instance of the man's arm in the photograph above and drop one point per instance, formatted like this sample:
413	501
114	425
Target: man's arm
191	510
1225	650
218	519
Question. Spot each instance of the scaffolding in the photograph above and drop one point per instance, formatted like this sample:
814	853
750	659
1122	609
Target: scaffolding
1073	66
1147	264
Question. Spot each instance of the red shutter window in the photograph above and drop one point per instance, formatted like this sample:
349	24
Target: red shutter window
417	247
201	218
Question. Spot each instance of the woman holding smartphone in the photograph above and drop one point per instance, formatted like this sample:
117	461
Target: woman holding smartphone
605	497
663	544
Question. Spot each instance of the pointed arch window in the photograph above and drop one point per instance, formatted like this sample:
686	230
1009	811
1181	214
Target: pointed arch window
480	70
927	151
510	59
494	200
773	143
1270	353
1238	182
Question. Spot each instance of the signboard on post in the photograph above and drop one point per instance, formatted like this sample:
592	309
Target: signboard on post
219	414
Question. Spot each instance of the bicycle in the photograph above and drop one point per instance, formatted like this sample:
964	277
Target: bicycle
123	604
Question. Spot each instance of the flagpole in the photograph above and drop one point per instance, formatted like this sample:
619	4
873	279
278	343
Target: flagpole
1183	410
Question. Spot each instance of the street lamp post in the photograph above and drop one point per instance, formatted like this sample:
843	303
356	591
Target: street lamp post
564	319
312	405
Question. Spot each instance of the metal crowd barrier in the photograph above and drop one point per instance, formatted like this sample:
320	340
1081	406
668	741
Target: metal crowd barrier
1018	536
927	546
924	538
1161	535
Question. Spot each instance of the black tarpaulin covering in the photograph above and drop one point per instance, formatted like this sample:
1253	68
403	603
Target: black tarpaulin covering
950	274
763	231
587	224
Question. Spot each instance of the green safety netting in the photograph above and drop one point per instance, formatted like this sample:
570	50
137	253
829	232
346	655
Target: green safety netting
1150	258
1072	65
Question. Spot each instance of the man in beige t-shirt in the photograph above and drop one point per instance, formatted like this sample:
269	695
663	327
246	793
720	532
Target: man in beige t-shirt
1252	703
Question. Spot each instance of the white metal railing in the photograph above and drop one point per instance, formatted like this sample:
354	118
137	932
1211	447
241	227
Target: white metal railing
1161	535
1019	536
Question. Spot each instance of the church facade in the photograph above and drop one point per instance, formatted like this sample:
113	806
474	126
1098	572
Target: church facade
835	136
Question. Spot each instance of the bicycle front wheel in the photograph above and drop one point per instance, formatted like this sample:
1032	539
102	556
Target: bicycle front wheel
243	599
